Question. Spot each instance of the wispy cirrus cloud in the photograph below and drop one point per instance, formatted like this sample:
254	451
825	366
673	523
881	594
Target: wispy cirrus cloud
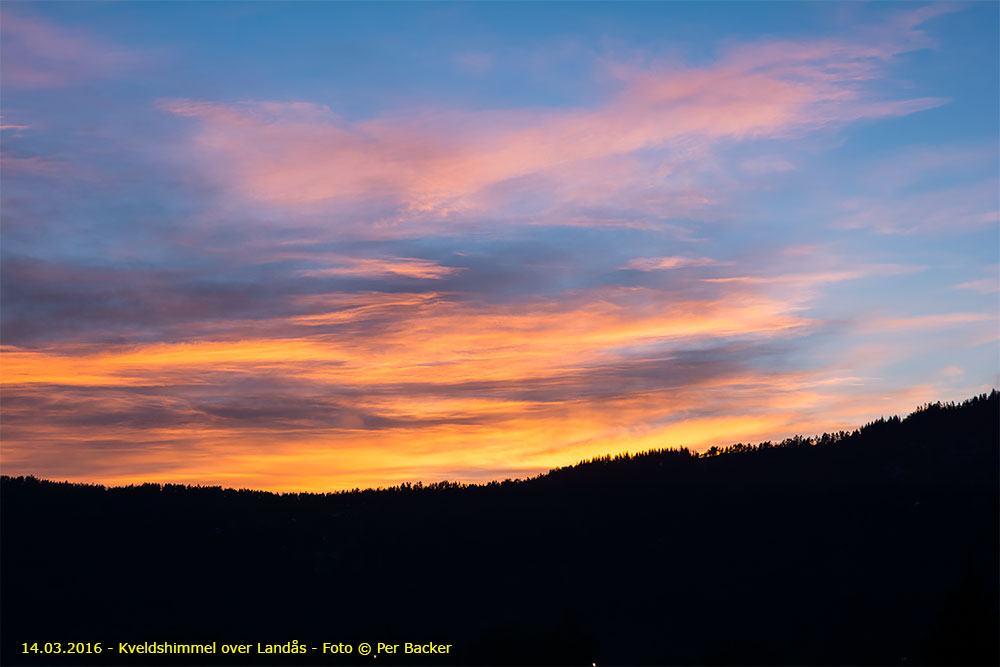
933	190
452	163
957	209
477	62
666	263
371	266
40	54
931	321
984	285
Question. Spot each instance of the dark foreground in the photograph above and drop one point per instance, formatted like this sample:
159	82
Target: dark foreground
877	547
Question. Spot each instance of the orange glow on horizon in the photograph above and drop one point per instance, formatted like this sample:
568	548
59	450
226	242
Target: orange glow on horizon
438	389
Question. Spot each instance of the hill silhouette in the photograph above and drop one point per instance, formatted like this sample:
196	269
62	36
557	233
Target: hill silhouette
878	546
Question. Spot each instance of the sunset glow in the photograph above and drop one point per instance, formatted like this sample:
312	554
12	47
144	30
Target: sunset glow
296	247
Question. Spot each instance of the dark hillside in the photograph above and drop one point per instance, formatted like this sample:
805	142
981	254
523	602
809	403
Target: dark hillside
873	547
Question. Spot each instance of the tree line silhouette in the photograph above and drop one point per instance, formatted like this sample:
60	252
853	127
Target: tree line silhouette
875	546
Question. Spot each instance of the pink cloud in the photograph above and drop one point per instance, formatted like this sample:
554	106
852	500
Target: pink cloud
957	209
475	61
936	321
914	190
13	166
37	54
665	263
448	164
399	266
767	164
986	285
952	371
797	286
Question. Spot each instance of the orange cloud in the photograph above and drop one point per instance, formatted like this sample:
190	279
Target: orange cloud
378	388
422	384
458	341
400	266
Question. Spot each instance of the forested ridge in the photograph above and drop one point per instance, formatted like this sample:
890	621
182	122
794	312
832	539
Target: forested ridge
877	546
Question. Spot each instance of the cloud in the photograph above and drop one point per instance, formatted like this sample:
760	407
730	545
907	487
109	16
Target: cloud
39	54
952	371
933	321
664	263
802	286
535	381
476	62
936	189
399	266
962	208
640	142
373	388
767	164
985	285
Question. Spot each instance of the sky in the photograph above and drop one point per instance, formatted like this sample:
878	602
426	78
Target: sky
318	246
